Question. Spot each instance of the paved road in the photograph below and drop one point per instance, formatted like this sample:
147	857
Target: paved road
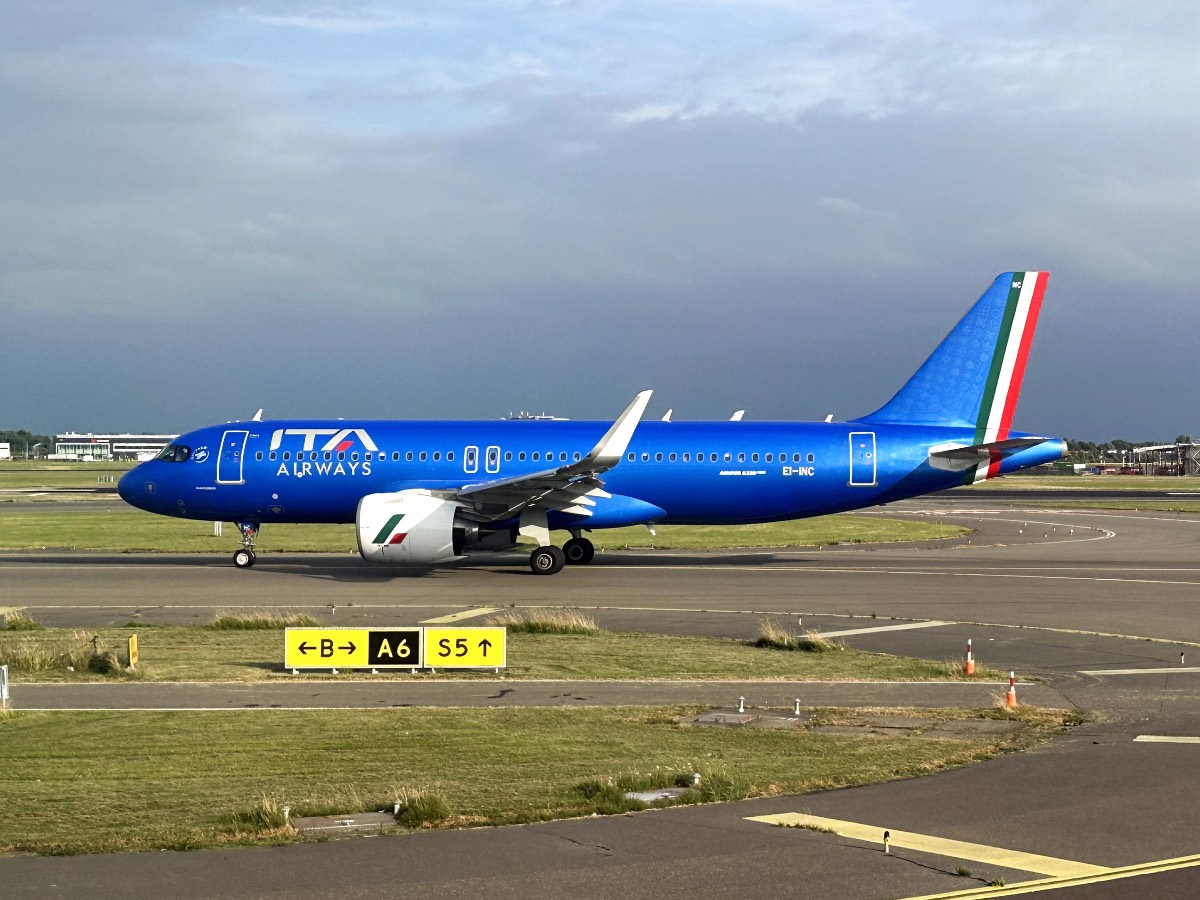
1064	594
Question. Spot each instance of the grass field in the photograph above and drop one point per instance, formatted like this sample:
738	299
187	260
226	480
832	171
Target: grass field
203	654
121	529
138	780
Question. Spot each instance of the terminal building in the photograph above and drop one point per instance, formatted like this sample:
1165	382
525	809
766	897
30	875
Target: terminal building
92	447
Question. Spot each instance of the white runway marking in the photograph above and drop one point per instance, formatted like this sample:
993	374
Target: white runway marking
459	616
906	627
1176	670
1165	739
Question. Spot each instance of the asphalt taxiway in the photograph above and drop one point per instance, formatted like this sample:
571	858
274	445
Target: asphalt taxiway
1096	604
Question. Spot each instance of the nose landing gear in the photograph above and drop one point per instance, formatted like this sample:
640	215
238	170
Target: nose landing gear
244	557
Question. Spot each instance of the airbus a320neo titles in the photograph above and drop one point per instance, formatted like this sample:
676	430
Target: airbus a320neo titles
424	493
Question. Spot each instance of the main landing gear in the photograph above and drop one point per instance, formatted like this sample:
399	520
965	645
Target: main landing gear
244	557
548	560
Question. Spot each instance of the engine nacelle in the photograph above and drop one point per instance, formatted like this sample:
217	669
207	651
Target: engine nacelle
411	527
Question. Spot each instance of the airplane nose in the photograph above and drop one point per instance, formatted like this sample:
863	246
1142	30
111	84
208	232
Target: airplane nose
132	487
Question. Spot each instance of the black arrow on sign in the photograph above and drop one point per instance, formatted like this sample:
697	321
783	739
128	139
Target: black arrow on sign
485	645
304	648
349	647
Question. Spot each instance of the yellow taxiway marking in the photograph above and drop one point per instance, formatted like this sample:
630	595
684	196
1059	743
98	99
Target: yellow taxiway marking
459	616
1054	884
924	843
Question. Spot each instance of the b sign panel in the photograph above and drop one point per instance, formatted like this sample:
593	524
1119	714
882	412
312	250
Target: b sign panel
352	648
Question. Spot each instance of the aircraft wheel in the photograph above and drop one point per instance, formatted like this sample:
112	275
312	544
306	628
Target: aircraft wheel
244	558
547	560
579	551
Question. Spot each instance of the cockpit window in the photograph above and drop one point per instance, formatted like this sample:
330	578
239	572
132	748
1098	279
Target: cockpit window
175	453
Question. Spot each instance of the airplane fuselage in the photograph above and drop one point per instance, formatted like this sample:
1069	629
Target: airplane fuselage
695	472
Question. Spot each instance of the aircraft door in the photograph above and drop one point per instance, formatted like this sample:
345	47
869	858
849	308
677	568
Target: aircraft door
862	458
471	460
229	463
493	460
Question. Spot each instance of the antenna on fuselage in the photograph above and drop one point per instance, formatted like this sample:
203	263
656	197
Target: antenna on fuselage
829	418
737	416
667	417
257	416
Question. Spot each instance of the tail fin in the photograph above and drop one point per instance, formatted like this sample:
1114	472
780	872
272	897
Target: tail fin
974	377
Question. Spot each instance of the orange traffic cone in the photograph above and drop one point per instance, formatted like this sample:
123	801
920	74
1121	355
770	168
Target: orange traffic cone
970	659
1010	699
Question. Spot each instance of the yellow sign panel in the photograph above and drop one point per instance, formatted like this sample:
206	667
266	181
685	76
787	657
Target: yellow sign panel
352	648
465	648
133	650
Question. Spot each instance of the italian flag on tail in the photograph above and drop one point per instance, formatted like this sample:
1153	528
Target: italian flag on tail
1003	385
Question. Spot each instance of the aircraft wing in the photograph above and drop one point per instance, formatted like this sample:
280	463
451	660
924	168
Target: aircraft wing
570	488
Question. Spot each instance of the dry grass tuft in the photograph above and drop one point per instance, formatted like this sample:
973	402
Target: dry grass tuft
776	637
417	809
35	652
261	620
546	621
18	620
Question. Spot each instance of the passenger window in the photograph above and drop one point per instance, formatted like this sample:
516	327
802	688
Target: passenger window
578	456
424	456
562	457
258	456
754	457
713	457
536	456
286	455
728	457
770	456
408	456
645	457
437	456
795	457
328	456
354	455
810	457
631	457
741	457
687	457
521	456
672	457
450	455
507	456
341	454
272	456
658	457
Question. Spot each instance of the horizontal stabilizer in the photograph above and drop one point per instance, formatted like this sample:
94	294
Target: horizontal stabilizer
955	457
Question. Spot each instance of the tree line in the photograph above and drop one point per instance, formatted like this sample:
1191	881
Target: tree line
23	443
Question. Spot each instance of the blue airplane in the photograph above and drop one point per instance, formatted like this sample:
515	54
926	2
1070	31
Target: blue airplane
424	493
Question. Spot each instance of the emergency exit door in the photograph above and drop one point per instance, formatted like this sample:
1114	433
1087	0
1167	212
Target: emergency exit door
862	458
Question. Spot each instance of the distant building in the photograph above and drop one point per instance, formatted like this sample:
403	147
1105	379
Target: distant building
5	451
109	446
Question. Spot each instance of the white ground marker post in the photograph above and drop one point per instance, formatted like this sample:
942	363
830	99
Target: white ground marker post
3	687
970	659
1010	699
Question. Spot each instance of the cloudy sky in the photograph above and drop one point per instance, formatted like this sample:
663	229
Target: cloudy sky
462	209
